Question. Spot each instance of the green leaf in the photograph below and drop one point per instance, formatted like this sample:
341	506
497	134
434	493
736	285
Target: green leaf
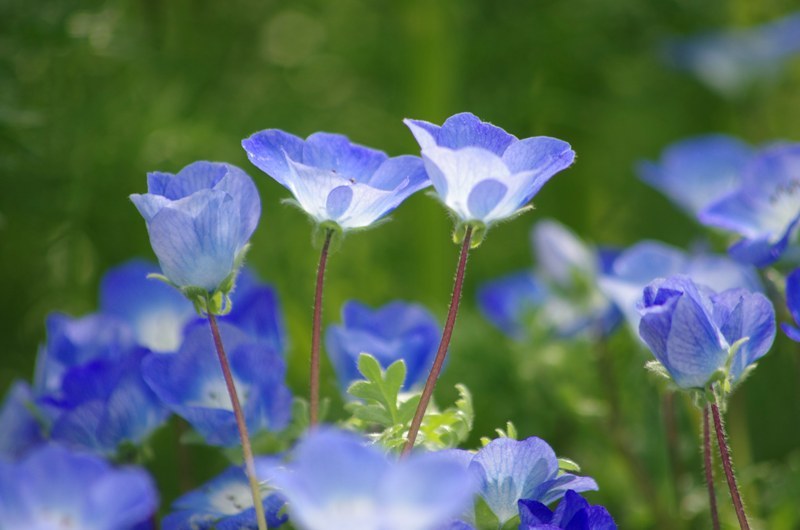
379	391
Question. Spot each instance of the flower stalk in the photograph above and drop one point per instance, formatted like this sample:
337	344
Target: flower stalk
247	450
708	464
727	465
441	353
316	330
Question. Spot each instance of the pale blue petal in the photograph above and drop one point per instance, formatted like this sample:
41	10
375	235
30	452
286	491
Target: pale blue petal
424	132
122	499
157	182
269	149
509	301
541	154
19	429
467	130
559	253
484	197
339	200
394	172
149	205
336	153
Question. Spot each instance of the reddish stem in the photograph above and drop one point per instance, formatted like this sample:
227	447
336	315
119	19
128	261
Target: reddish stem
727	465
436	369
709	470
316	329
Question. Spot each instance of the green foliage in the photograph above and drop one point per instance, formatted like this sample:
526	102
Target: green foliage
386	414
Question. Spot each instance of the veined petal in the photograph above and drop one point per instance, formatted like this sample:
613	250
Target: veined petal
395	171
149	205
335	152
467	130
540	154
311	186
195	177
269	149
484	197
424	132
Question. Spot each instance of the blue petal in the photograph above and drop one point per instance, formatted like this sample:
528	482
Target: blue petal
394	172
425	133
467	130
269	149
696	172
149	205
484	197
256	311
533	513
337	153
19	429
339	200
508	302
559	253
793	296
541	154
569	507
195	177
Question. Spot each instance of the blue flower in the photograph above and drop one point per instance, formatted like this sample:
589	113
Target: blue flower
334	180
19	428
730	61
256	311
200	221
191	384
765	209
694	173
561	294
395	331
156	312
573	513
54	488
481	172
793	303
693	331
511	470
640	264
224	503
337	482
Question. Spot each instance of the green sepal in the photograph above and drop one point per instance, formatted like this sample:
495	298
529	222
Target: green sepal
656	368
566	465
321	231
479	230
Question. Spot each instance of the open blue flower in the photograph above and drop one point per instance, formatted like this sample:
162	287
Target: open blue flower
334	180
481	172
511	470
694	332
89	384
335	481
199	221
223	503
20	430
695	172
561	294
765	209
640	264
573	513
730	61
398	330
156	312
793	303
54	488
191	384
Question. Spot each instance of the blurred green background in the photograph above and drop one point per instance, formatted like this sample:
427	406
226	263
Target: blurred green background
95	94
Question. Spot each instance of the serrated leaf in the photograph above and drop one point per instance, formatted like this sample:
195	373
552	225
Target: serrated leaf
370	368
406	410
365	390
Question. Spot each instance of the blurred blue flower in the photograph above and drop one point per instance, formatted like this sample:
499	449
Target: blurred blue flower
692	330
199	221
156	312
730	61
511	470
335	180
19	428
481	172
765	209
647	260
256	311
572	513
335	481
190	383
398	330
793	303
52	488
89	384
695	172
562	293
223	503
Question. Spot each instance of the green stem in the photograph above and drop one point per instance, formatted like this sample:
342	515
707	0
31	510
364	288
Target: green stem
708	464
441	353
247	450
727	465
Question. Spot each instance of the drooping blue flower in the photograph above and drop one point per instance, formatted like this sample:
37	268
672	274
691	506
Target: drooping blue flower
640	264
765	209
335	481
481	172
52	488
573	513
89	384
20	430
156	312
199	221
191	384
693	331
793	303
511	470
398	330
695	172
730	61
334	180
224	503
561	294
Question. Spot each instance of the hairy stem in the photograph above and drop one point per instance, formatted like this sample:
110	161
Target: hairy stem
247	450
727	465
316	330
441	353
709	469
